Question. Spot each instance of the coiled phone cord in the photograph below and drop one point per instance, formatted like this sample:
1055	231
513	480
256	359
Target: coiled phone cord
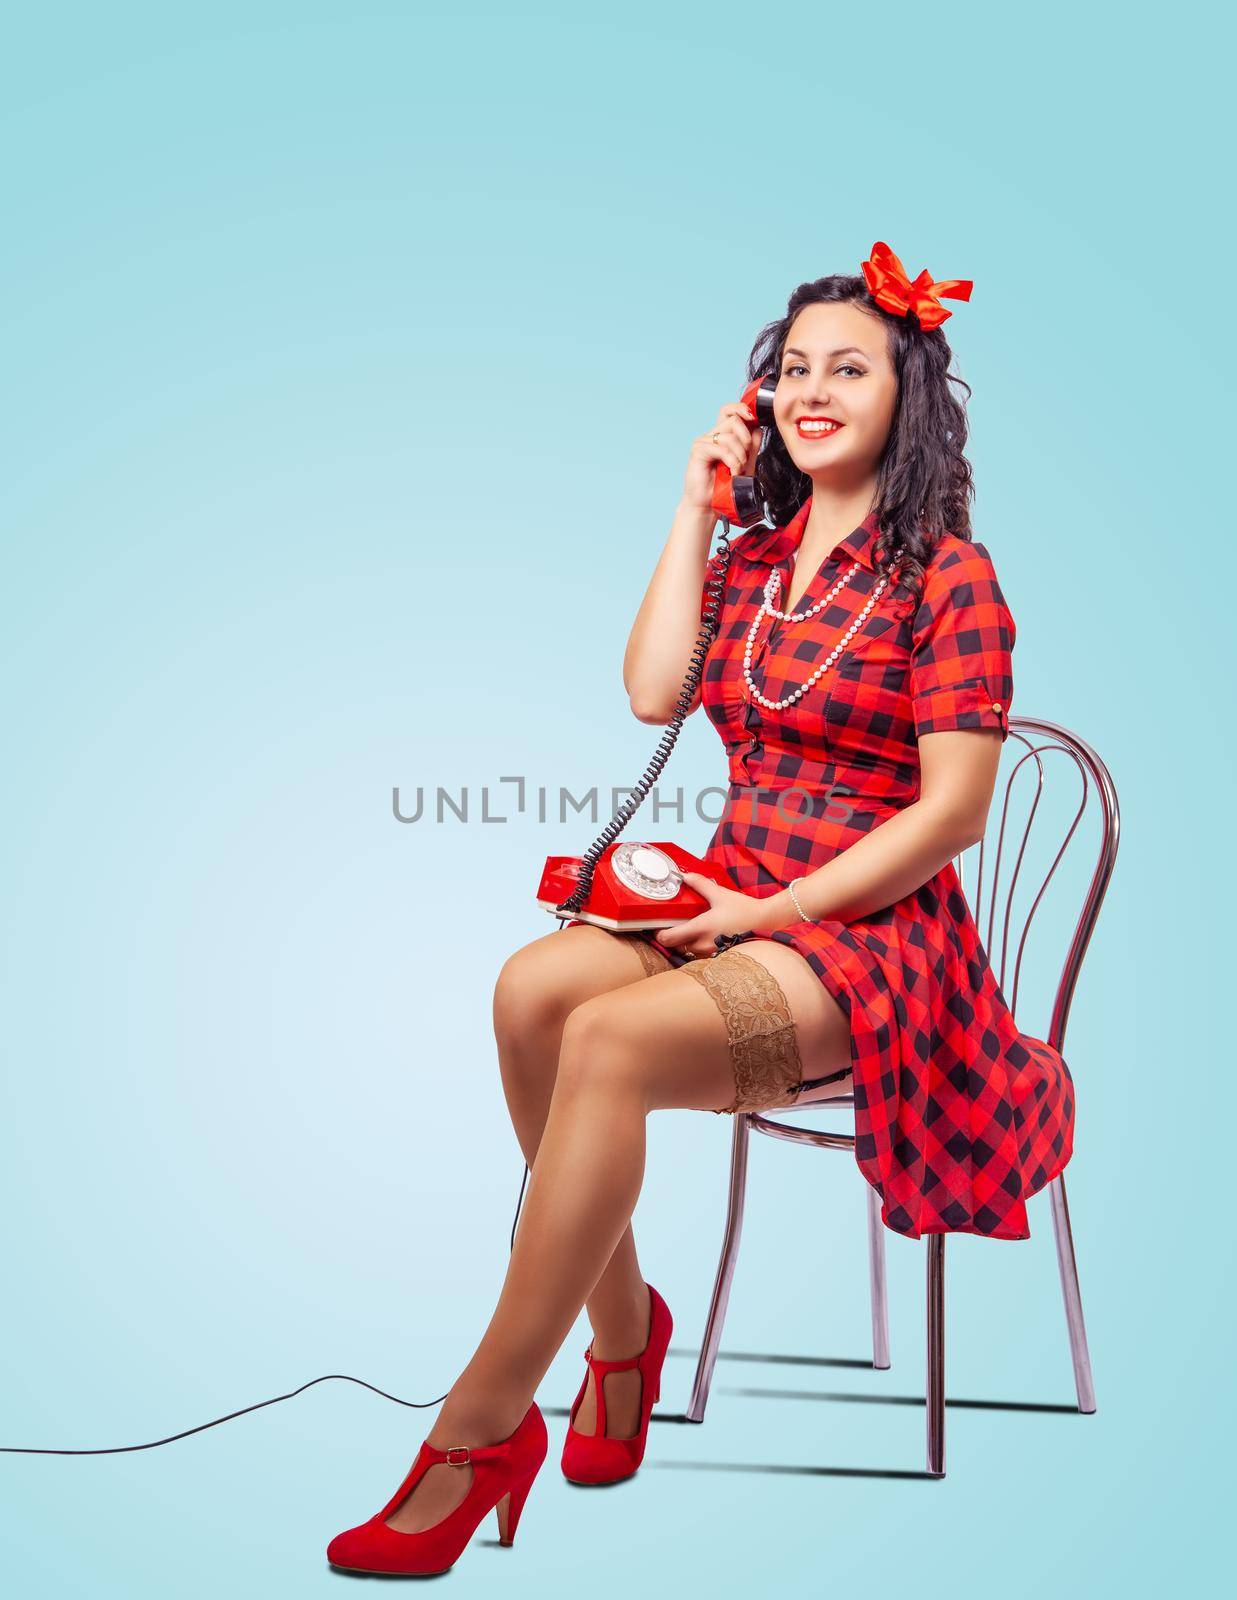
710	620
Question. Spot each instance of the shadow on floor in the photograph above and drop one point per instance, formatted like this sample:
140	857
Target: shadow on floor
845	1397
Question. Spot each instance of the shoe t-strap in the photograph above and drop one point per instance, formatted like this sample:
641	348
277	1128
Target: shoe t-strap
600	1368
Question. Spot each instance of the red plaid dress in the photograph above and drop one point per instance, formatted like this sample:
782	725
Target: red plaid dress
959	1116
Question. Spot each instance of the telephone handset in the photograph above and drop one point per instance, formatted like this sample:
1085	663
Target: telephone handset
639	886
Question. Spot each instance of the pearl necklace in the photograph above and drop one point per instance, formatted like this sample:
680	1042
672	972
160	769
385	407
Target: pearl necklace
768	608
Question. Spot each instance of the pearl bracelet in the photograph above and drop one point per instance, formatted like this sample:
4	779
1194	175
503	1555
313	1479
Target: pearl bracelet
791	886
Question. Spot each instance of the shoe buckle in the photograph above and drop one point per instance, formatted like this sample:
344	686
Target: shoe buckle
454	1450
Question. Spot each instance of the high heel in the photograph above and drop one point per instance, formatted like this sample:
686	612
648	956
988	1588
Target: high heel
593	1458
509	1508
503	1473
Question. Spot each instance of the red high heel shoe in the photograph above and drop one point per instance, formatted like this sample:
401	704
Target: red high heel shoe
591	1457
503	1474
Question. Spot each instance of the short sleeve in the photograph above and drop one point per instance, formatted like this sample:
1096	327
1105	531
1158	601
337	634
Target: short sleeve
961	673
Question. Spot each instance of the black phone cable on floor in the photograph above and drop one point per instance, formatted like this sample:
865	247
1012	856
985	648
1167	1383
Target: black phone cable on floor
120	1449
715	589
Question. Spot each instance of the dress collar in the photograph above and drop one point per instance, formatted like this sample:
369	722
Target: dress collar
773	545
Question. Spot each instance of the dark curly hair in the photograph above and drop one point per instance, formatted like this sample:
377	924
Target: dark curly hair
924	481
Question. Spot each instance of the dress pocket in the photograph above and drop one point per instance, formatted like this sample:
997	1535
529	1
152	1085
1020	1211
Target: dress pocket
880	627
868	702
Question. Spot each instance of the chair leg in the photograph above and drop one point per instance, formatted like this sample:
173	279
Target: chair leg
879	1282
936	1354
1072	1295
725	1270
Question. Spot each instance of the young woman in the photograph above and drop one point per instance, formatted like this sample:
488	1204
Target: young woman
861	681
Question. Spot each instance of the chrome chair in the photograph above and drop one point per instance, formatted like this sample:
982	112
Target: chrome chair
1042	739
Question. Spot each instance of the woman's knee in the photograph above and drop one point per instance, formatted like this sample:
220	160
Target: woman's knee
598	1049
529	994
540	984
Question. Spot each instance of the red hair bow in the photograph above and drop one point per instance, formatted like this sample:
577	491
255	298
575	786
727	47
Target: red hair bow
893	290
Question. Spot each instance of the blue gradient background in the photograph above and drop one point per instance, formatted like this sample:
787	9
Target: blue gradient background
352	358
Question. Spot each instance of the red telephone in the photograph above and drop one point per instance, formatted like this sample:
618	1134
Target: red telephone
640	885
636	886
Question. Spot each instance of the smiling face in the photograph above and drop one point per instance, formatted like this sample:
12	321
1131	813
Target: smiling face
836	366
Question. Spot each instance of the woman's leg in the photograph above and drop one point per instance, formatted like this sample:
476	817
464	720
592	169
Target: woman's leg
656	1044
538	988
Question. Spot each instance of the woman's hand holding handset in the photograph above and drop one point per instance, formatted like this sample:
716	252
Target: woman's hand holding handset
737	442
667	624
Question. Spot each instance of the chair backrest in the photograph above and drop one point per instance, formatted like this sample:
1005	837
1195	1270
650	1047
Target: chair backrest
1041	741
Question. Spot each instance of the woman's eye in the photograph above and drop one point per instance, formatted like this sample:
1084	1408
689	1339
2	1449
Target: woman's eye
845	367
